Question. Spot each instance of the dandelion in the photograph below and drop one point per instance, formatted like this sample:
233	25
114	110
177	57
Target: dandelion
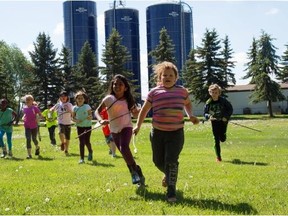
108	190
89	199
7	209
47	199
27	209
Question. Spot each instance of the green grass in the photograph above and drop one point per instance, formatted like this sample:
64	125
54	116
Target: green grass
252	179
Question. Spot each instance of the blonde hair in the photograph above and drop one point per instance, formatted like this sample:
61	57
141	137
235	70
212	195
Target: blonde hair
214	87
29	97
161	67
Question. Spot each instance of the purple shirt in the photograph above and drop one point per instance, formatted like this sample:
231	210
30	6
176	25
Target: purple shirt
30	119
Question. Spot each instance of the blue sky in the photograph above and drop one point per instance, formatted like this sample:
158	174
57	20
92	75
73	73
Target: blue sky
21	22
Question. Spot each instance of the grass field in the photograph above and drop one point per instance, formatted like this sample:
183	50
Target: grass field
251	179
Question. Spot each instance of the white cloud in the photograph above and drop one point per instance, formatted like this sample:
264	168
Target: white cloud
272	11
59	29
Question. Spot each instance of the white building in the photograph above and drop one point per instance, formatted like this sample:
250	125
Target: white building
239	97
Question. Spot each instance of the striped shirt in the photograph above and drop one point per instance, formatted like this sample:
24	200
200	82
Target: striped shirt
168	106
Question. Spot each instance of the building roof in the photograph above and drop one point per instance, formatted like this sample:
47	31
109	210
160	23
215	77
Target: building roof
250	87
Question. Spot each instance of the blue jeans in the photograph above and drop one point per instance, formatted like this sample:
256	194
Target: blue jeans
9	139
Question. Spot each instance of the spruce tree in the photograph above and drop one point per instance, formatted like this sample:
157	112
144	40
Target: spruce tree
209	66
252	63
228	78
47	83
284	66
87	68
267	89
115	56
164	51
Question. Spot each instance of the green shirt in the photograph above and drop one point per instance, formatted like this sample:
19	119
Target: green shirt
51	117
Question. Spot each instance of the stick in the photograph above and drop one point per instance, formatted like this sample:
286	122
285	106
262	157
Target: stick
134	145
97	125
245	126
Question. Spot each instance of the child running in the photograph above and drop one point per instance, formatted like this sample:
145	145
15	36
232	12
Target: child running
218	110
51	122
7	116
107	133
64	111
30	118
167	101
120	105
82	116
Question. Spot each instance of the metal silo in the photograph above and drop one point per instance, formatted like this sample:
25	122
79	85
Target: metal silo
80	25
126	22
178	23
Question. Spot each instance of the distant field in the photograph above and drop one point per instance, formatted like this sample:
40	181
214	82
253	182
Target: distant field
252	179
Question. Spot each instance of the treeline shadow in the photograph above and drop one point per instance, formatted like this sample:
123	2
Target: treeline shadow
209	204
254	163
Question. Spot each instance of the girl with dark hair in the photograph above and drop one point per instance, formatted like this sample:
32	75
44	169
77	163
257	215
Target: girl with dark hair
120	104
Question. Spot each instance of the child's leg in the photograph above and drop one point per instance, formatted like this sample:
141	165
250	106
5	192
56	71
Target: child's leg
34	133
28	141
2	145
9	142
88	143
174	142
67	138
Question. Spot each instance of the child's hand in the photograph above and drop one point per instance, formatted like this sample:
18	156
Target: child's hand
194	120
104	122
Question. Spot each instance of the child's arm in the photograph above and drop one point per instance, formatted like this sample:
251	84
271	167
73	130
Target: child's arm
188	110
143	113
98	116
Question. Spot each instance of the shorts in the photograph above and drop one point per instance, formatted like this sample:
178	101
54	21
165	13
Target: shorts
66	130
109	138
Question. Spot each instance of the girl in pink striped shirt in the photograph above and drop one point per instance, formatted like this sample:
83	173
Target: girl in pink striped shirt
167	102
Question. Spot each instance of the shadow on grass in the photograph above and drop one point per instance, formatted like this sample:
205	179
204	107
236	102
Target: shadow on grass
215	205
13	159
239	162
95	163
44	158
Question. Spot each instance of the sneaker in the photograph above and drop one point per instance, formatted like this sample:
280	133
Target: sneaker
66	153
81	161
110	152
218	159
142	181
90	156
4	154
10	154
29	157
37	151
135	178
164	182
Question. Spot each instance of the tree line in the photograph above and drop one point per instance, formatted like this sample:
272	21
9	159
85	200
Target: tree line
210	62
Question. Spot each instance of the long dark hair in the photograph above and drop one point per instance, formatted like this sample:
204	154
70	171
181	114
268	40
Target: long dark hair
127	94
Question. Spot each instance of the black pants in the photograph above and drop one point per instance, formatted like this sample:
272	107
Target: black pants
166	148
219	129
51	131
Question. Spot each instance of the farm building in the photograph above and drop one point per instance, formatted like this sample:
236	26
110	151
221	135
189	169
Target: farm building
239	97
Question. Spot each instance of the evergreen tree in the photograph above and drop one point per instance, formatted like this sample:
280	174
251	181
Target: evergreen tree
192	77
266	89
284	68
47	83
209	66
164	51
115	57
252	64
88	69
71	78
228	78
